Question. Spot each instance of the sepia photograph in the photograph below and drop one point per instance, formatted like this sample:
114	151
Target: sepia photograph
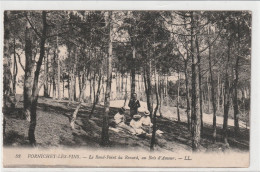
126	88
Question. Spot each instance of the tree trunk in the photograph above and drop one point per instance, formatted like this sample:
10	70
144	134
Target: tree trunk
116	92
49	90
149	88
133	73
126	78
236	112
122	83
200	90
214	134
83	81
166	91
145	85
208	91
187	94
71	88
104	134
53	75
195	110
63	87
139	87
117	84
7	67
68	81
36	89
7	59
222	93
15	69
178	97
226	98
160	94
103	89
90	88
94	88
46	71
28	72
155	111
79	82
75	90
74	115
72	82
53	87
32	127
218	95
97	95
58	80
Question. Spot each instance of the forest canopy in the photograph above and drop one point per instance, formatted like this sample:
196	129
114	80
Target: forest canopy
199	61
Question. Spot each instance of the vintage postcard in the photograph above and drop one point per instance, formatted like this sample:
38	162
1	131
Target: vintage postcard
126	88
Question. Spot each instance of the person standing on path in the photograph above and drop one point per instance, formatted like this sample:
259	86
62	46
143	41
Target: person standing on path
133	104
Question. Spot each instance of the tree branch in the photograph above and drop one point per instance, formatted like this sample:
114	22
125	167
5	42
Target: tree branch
210	44
19	59
175	24
37	33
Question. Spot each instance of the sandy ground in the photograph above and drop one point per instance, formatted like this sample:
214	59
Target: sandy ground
53	129
171	113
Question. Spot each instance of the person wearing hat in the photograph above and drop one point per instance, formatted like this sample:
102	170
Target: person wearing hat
133	104
146	122
136	124
120	120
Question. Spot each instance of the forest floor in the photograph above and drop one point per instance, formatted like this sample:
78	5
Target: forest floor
171	113
54	130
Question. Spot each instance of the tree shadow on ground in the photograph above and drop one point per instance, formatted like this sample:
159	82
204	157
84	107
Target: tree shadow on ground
13	138
53	115
175	131
88	131
240	141
15	113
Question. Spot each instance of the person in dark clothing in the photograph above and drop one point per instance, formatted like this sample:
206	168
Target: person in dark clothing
134	104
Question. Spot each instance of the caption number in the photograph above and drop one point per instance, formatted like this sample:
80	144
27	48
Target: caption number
18	156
